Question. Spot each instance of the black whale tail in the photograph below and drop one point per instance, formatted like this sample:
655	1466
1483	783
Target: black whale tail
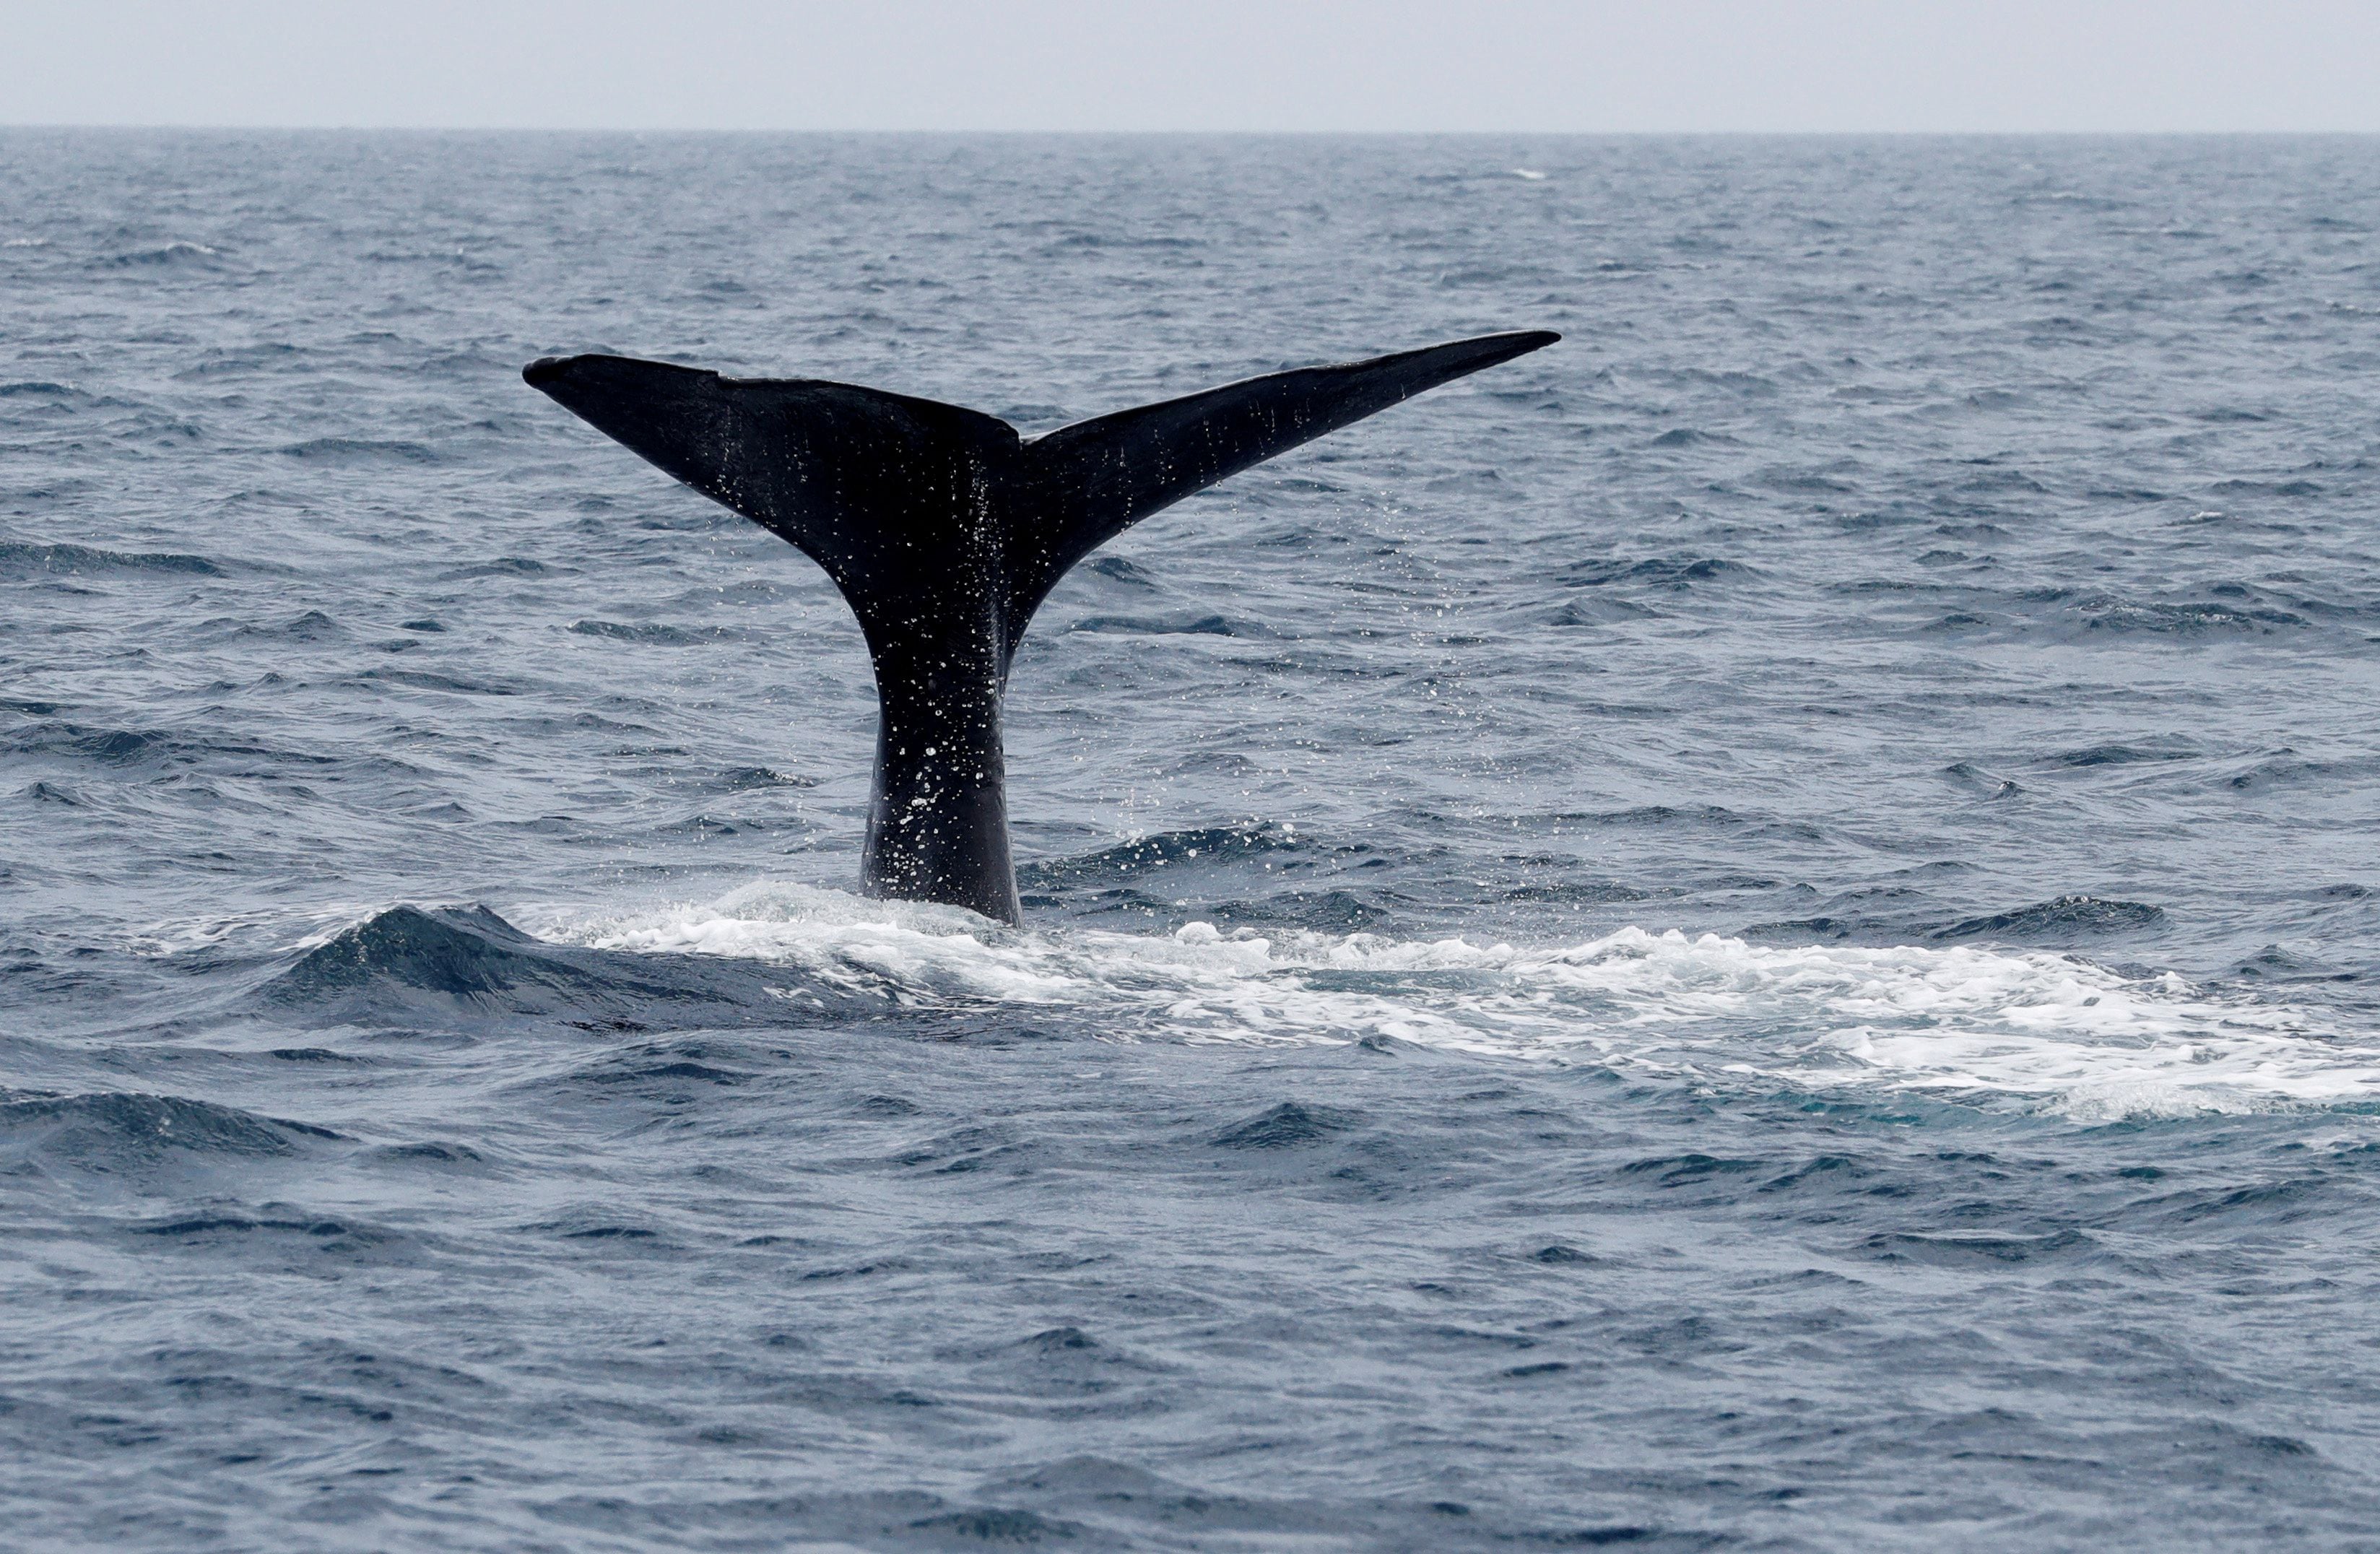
945	530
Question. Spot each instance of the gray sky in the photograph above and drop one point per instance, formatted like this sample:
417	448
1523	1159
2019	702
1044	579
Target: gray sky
1273	64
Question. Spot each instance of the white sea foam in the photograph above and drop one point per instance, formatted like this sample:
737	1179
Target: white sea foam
2052	1031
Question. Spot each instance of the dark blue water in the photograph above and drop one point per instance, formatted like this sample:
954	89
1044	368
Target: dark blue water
1756	930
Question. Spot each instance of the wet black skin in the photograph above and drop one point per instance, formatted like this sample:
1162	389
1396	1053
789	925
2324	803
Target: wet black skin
945	530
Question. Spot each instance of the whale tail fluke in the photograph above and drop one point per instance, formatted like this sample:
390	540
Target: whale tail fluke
868	483
945	530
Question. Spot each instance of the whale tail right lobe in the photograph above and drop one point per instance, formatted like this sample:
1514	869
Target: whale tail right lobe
945	532
1095	479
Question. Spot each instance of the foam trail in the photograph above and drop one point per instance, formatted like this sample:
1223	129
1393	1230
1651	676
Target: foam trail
2049	1031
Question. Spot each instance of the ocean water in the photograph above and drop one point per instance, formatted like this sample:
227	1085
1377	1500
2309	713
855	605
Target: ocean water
1758	930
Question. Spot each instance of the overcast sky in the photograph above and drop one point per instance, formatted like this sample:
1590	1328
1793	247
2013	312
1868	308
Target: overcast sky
1263	65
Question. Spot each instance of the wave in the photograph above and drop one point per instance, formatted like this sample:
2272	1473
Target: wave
2190	619
645	631
430	680
1141	853
2036	1029
1669	572
18	555
152	748
2067	916
468	960
111	1129
1178	622
361	450
194	255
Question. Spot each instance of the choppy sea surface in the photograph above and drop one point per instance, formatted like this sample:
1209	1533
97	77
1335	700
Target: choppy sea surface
1758	930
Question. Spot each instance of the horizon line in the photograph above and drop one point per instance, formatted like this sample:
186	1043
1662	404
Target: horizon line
1249	133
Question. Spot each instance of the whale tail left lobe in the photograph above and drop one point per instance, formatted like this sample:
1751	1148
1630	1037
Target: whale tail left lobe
872	486
945	530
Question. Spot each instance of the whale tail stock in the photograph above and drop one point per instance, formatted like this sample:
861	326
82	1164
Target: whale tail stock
945	530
